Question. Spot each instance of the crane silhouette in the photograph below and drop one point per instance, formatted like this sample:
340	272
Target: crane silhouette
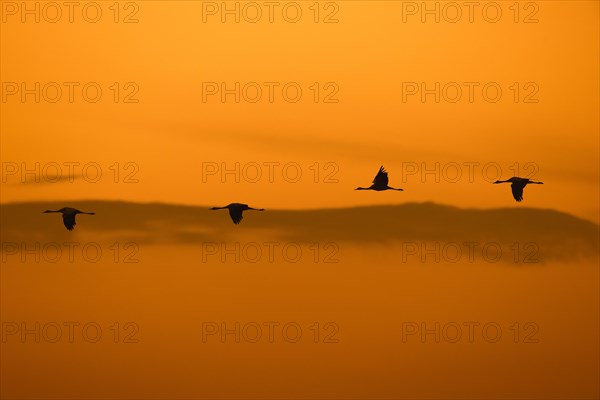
236	210
517	186
380	182
68	215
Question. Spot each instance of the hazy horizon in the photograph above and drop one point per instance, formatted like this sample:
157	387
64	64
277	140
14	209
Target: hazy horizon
555	235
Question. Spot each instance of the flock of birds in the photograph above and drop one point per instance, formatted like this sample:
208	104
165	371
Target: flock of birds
380	183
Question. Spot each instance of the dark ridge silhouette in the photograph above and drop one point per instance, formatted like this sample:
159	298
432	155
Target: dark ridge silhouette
236	210
380	182
68	216
559	235
517	186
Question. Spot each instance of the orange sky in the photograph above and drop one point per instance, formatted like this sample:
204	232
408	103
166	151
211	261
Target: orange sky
158	148
367	54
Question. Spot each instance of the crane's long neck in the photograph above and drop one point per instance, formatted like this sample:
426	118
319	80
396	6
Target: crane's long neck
362	188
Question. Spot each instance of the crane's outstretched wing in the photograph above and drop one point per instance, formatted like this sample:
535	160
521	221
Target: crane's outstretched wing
69	221
236	215
517	190
381	179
